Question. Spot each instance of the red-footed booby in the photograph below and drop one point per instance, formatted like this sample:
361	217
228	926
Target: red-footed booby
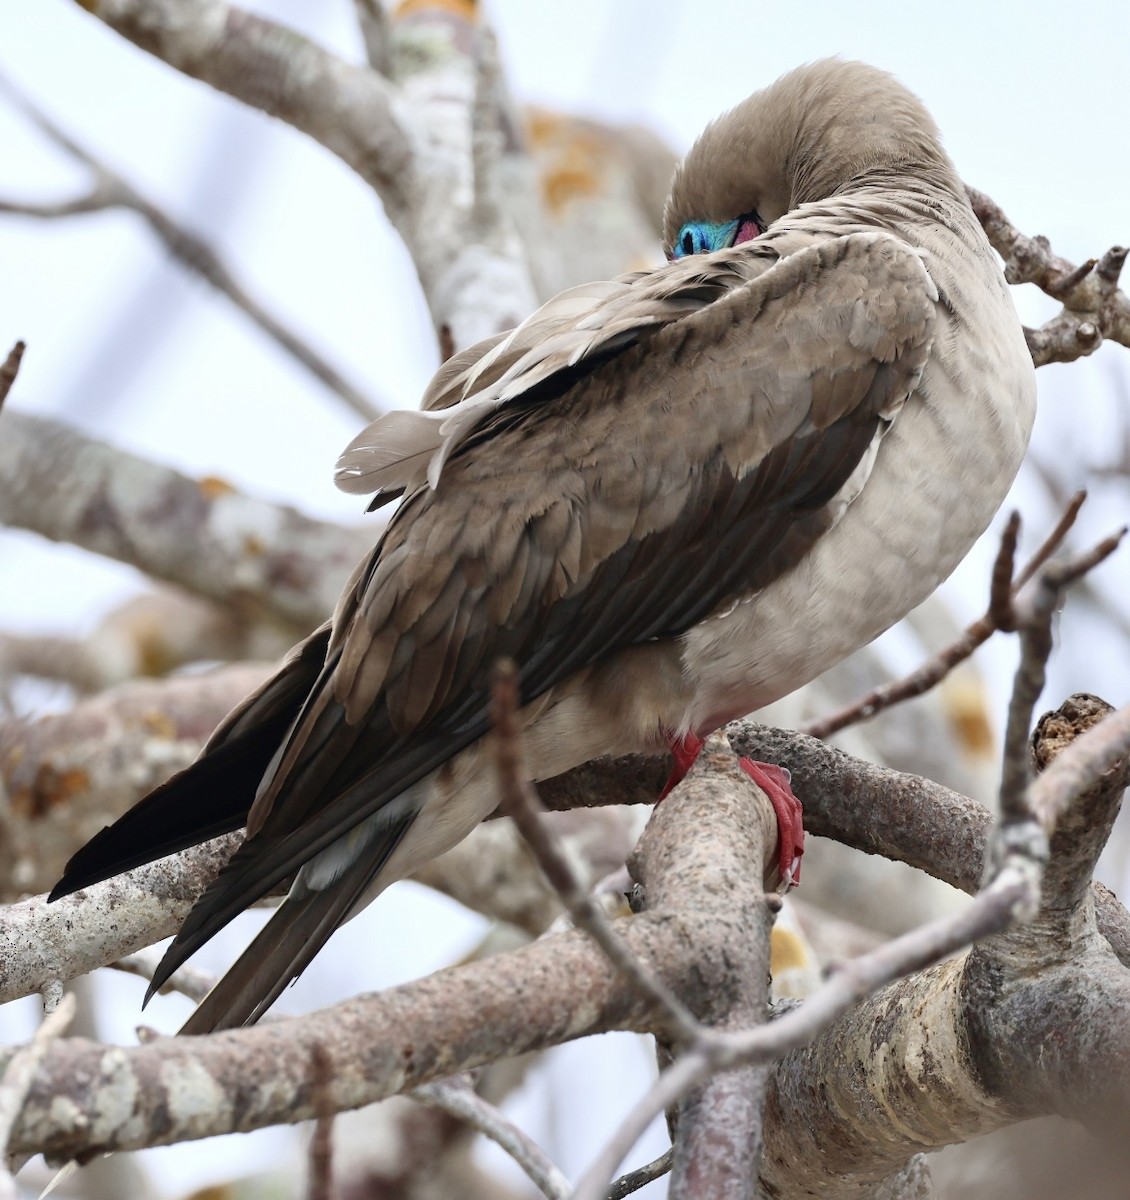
670	498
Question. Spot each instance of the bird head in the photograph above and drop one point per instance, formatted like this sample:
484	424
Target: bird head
819	131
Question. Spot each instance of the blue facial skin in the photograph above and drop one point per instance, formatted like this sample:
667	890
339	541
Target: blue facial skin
701	237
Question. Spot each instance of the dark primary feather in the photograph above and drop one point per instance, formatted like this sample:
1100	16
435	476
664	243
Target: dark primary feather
471	572
213	795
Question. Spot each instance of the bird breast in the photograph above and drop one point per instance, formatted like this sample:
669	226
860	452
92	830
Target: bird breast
937	477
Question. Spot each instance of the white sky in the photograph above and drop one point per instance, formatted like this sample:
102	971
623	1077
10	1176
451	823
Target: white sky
1035	110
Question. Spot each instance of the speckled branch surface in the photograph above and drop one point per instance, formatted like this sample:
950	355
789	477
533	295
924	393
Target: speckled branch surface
466	1015
873	808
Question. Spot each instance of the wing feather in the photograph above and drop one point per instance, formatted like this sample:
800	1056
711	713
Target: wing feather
695	464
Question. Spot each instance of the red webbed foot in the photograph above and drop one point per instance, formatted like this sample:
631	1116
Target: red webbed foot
684	750
775	782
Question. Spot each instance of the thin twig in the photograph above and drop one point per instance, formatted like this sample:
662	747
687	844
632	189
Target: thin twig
1093	306
188	980
372	20
458	1098
935	669
632	1181
10	370
111	190
319	1158
1000	588
519	800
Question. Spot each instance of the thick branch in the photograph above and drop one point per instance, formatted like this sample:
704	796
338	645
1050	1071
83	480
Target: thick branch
974	1043
199	533
348	109
41	942
66	775
412	143
453	1021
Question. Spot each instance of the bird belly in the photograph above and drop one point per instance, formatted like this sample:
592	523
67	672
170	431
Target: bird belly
940	475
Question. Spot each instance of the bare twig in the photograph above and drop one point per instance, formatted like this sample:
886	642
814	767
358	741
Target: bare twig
188	980
935	669
18	1077
518	800
110	190
1000	589
458	1098
632	1181
1093	306
1034	620
319	1158
373	22
10	369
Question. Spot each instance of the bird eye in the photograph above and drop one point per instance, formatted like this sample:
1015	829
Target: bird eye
702	237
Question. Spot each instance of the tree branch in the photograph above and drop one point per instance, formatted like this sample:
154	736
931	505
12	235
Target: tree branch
110	190
202	534
66	775
1093	306
10	370
350	110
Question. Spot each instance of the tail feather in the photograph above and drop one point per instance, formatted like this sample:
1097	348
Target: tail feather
281	951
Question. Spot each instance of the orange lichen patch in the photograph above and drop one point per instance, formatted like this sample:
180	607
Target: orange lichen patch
965	705
212	487
543	126
159	723
468	10
787	951
153	654
253	545
571	155
48	790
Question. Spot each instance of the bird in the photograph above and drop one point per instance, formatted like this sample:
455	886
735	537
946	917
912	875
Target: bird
670	498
